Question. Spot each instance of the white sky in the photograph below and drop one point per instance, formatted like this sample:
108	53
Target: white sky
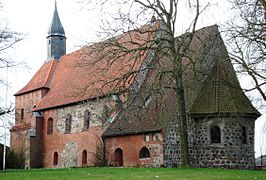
33	17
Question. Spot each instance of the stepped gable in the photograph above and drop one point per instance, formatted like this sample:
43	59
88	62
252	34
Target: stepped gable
98	70
42	78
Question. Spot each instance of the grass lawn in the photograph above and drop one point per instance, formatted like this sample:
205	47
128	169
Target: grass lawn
133	173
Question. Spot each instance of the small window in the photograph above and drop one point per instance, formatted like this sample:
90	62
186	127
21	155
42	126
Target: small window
147	101
86	120
68	123
146	137
244	135
215	134
144	153
50	124
22	113
55	158
84	157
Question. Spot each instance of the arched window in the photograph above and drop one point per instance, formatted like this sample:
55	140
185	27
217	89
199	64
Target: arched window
244	135
50	126
68	123
55	158
215	134
86	119
144	153
84	157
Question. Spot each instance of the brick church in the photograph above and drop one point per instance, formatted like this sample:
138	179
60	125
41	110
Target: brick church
96	107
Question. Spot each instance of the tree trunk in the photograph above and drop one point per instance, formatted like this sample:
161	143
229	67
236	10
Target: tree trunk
182	122
181	110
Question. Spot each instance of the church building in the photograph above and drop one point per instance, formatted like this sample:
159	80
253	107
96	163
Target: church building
113	103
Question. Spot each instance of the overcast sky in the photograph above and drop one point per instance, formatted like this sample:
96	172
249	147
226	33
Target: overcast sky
33	17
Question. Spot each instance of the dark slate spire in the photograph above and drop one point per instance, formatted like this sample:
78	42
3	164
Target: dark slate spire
56	27
56	40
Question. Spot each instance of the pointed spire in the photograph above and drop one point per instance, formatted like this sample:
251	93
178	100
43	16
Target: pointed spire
56	27
56	39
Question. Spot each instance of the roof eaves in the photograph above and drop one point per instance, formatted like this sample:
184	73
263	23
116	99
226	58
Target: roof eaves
35	89
107	135
224	114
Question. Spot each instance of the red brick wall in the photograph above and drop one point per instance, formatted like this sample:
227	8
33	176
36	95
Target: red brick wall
20	140
131	146
27	101
17	142
70	146
56	142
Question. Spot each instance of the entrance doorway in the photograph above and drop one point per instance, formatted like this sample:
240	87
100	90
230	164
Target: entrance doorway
118	157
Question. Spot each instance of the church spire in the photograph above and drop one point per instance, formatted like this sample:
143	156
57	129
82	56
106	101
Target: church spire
56	40
56	27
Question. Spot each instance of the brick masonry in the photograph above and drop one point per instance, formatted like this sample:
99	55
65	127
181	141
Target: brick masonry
131	146
70	145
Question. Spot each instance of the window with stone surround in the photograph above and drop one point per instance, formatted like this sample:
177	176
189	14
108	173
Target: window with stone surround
84	157
215	134
244	135
50	124
68	123
144	153
86	124
55	158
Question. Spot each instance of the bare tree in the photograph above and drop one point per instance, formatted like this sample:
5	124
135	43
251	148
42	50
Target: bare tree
247	40
130	14
8	39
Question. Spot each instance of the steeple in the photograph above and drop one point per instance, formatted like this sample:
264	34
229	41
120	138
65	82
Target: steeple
56	39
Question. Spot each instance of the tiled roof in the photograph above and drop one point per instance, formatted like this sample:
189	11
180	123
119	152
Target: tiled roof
42	79
138	118
221	94
203	94
97	70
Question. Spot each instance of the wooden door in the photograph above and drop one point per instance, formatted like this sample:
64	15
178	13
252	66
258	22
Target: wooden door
118	157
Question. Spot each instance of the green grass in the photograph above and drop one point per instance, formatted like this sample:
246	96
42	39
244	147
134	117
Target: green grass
134	173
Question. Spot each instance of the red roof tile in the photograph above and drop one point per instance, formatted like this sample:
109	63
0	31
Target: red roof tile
96	70
41	79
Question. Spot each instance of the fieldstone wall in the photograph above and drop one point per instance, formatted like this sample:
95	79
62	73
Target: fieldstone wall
69	155
231	152
156	152
77	113
171	151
